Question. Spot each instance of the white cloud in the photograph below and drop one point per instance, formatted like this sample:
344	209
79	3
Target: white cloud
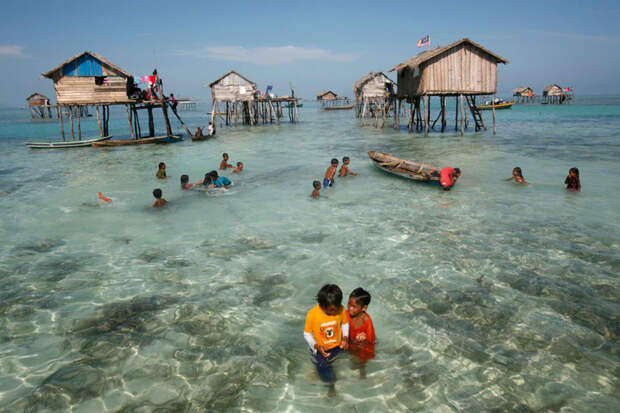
11	50
268	55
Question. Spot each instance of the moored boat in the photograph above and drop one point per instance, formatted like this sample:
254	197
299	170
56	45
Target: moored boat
141	141
202	137
498	105
402	167
341	107
66	144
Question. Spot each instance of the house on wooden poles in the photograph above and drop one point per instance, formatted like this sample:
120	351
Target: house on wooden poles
88	79
374	97
554	94
236	100
331	101
326	95
39	105
524	95
463	69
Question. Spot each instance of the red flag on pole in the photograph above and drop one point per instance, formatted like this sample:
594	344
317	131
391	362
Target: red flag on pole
425	41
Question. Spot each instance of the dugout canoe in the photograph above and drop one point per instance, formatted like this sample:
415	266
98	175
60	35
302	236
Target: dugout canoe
498	106
402	167
342	107
66	144
141	141
202	138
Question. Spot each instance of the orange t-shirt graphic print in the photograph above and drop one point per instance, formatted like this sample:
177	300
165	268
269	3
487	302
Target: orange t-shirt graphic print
325	329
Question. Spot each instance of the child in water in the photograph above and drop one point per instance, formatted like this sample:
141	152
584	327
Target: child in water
330	173
572	180
213	180
224	164
239	168
161	171
159	201
517	176
327	331
185	182
317	187
448	177
361	330
344	169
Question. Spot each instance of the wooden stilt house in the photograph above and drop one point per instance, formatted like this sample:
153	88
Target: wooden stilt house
39	106
553	94
326	95
90	79
524	95
242	103
374	97
463	69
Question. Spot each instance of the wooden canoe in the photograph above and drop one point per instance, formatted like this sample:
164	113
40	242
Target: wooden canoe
202	138
66	144
402	167
141	141
342	107
498	106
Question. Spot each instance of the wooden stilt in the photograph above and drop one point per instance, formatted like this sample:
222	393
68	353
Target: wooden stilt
493	109
456	113
462	116
149	110
71	119
213	111
427	111
79	124
62	122
129	121
99	121
443	113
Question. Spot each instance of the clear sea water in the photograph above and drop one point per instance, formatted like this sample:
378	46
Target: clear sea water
490	297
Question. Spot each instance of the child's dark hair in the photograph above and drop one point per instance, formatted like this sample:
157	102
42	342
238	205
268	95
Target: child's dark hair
334	160
575	171
316	184
457	171
345	158
184	179
329	294
518	171
224	154
157	193
361	296
213	174
239	163
161	164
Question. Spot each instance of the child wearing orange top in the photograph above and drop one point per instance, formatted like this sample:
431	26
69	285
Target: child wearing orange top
361	330
327	330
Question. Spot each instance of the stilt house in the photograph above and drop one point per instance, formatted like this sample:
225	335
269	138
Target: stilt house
90	79
242	103
374	95
463	69
39	106
524	95
553	94
327	95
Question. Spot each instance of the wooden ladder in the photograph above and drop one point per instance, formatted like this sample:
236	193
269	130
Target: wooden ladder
475	112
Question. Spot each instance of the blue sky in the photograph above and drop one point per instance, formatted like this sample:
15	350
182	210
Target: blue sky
314	45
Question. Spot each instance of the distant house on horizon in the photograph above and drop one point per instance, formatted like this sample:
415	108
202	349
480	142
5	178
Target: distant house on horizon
374	96
39	106
553	94
327	95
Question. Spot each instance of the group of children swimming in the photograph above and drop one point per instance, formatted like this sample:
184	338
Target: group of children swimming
330	174
212	180
572	181
330	330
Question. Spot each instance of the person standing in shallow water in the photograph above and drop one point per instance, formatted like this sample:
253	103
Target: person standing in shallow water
572	180
517	176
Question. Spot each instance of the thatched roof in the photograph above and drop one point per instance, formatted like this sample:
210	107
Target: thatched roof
50	74
320	95
549	87
39	95
365	79
429	54
229	73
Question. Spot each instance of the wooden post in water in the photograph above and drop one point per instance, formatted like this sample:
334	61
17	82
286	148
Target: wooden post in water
456	112
443	113
427	111
99	121
493	108
149	110
462	116
62	122
71	119
129	121
79	125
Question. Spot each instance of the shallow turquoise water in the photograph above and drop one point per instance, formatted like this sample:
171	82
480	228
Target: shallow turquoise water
491	296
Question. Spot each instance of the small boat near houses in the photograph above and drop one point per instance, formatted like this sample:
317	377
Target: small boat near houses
404	168
66	144
499	104
141	141
202	137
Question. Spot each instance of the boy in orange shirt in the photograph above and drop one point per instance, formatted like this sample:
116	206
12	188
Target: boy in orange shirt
327	330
